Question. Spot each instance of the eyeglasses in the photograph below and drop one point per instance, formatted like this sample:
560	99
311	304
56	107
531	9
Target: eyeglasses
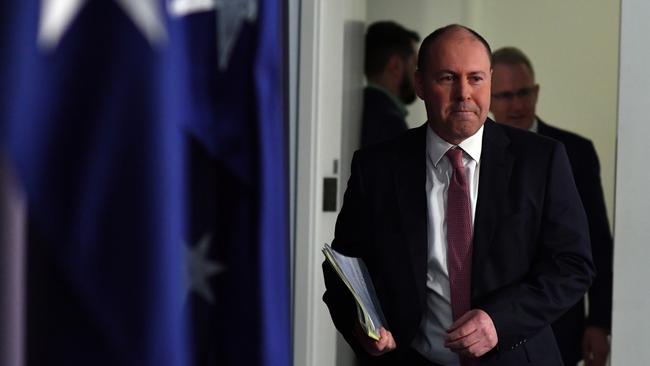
523	93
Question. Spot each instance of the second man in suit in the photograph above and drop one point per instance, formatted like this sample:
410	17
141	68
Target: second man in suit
514	101
390	58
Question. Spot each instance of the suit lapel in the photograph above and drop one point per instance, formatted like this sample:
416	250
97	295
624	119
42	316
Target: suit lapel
410	185
496	166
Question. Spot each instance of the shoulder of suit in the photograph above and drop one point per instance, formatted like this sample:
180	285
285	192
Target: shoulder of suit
378	105
568	138
374	97
520	138
411	140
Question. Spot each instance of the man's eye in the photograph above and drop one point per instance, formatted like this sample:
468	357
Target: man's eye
475	79
446	78
504	95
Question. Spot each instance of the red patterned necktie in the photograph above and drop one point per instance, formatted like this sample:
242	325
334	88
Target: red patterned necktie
459	236
459	239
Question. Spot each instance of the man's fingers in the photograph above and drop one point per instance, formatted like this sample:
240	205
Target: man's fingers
595	346
386	341
460	344
385	344
469	323
460	322
383	341
391	345
471	346
473	334
595	359
596	362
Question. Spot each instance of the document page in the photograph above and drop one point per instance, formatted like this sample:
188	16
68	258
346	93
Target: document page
354	274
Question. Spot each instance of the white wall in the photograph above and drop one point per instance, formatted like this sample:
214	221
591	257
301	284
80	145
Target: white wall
318	145
327	63
631	324
354	29
573	46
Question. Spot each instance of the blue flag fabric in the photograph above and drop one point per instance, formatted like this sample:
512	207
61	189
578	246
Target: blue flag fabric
157	187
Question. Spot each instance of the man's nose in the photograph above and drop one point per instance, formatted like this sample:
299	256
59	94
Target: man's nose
462	90
517	102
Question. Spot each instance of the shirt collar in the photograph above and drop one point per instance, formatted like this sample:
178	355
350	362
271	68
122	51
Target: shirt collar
398	103
437	147
534	127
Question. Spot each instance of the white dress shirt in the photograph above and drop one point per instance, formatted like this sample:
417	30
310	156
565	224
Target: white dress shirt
437	318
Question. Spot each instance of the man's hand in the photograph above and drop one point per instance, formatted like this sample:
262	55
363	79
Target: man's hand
595	346
472	335
385	344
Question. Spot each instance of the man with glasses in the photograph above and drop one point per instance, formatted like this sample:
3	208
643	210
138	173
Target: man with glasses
514	98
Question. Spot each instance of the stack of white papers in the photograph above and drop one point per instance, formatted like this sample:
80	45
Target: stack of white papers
354	274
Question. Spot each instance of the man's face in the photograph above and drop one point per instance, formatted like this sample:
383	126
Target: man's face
407	84
455	85
514	95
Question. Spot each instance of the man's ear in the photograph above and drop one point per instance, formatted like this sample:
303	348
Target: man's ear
418	83
395	65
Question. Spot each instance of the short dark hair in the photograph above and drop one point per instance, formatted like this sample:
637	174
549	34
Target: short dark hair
385	39
512	56
436	34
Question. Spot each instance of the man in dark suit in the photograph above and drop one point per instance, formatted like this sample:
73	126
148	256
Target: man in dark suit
389	66
473	232
514	99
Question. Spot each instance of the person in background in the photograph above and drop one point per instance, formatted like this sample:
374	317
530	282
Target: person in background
467	271
514	100
390	62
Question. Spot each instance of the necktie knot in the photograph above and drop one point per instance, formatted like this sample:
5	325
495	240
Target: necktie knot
455	156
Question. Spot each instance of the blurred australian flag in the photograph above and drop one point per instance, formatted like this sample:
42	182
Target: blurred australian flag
150	139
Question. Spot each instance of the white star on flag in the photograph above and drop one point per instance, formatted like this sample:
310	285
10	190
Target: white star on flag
200	269
232	14
57	15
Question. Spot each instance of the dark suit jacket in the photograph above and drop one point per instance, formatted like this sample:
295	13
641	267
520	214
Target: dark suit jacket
586	172
531	255
381	118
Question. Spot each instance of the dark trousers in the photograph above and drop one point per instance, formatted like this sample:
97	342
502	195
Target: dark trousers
409	357
414	358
